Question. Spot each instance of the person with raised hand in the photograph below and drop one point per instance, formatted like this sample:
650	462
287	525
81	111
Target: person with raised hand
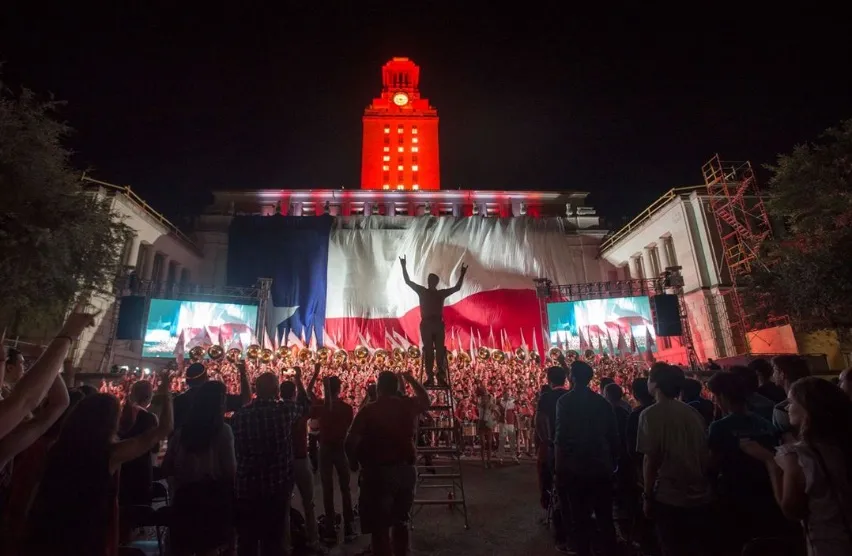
76	509
32	387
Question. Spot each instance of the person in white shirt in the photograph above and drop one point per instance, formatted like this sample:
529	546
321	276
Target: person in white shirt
508	435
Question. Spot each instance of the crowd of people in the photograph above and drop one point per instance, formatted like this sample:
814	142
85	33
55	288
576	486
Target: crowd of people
755	459
763	468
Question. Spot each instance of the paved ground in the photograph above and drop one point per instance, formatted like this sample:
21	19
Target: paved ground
502	511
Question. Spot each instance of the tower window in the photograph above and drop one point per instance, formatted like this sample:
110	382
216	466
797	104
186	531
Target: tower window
386	186
400	149
400	167
386	149
415	149
414	130
385	167
386	158
400	187
414	168
399	129
387	129
414	140
415	187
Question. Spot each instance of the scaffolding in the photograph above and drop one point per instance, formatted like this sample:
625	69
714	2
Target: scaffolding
743	225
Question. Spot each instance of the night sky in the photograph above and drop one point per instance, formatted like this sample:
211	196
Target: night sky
178	101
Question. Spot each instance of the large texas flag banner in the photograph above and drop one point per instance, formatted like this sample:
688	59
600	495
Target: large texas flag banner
342	276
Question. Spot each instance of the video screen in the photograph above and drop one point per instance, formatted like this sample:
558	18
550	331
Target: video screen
168	317
617	325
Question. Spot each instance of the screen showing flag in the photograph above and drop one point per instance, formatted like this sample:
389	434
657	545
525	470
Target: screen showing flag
167	318
618	325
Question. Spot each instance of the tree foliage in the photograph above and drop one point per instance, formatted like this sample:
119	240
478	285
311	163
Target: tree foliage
56	239
806	271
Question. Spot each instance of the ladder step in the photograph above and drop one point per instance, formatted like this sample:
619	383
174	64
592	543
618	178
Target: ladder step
439	476
439	502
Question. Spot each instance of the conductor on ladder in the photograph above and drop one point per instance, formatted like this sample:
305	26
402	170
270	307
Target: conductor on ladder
432	321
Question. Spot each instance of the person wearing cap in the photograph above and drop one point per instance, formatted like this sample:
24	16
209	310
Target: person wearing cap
196	375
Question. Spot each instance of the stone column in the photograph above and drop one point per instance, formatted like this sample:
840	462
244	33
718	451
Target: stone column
648	261
133	252
633	268
663	253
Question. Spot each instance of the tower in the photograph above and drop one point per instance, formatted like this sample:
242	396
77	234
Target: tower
400	142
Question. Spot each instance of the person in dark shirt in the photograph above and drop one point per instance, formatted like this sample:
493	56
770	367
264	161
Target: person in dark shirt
137	476
545	429
741	481
196	375
756	402
586	448
691	396
767	388
639	388
432	320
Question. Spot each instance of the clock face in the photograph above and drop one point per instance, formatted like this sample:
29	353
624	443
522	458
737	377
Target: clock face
400	99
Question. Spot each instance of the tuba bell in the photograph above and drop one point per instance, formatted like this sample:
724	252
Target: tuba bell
305	355
498	356
340	356
451	356
398	354
323	355
233	356
483	353
197	353
520	354
535	357
464	357
413	352
266	355
253	351
215	352
380	356
555	353
285	354
361	353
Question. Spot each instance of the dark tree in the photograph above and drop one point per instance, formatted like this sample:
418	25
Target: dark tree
56	239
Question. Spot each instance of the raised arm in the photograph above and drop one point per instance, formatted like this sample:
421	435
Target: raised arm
420	393
132	448
409	283
25	434
312	383
30	390
450	291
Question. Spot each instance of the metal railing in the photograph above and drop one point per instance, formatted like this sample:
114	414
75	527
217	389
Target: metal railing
144	207
646	214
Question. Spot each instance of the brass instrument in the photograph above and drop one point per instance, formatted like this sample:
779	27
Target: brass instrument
520	354
451	356
233	356
197	353
464	357
361	353
340	356
380	356
498	355
266	355
285	354
413	352
572	354
323	355
398	354
535	357
305	355
215	352
253	351
555	353
483	353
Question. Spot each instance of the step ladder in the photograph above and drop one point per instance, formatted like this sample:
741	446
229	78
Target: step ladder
439	471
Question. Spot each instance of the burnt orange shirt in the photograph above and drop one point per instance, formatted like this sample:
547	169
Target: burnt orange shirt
387	428
333	422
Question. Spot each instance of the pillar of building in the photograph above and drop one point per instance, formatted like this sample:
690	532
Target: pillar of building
634	268
133	252
147	262
663	253
648	263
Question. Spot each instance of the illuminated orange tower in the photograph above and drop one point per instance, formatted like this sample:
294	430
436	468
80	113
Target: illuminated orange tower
400	144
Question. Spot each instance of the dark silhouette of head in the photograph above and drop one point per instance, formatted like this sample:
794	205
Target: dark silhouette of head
206	417
432	281
266	386
666	379
556	377
581	373
196	375
639	388
288	390
387	384
332	387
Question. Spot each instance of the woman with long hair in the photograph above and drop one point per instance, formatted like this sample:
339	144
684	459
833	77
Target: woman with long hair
812	477
201	465
76	509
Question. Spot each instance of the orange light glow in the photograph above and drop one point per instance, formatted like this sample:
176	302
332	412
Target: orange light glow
386	122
